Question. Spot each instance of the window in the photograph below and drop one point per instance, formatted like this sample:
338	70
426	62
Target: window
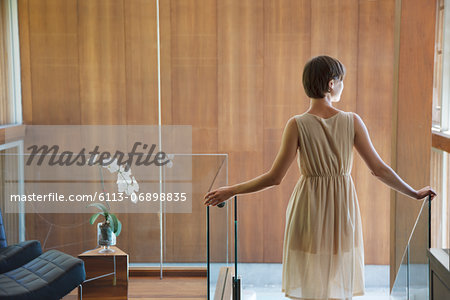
440	162
10	93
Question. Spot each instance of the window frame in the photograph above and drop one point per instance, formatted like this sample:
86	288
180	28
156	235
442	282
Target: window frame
14	74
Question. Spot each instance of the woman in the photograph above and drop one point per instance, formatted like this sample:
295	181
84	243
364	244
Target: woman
323	253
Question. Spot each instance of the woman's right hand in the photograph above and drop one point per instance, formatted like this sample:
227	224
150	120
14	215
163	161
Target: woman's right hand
424	192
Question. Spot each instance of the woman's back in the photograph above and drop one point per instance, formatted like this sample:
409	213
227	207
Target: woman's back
323	254
325	145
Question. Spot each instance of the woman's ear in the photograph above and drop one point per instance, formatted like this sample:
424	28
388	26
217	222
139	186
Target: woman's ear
331	84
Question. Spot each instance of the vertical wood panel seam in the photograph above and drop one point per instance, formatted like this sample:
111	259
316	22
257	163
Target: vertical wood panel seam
217	76
125	62
171	65
264	97
357	60
80	119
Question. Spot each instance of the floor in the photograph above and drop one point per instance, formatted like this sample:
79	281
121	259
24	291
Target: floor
259	282
169	288
257	285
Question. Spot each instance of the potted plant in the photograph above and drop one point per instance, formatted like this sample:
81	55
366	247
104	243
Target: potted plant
108	230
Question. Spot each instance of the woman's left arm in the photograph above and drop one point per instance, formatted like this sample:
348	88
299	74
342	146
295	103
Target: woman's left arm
285	156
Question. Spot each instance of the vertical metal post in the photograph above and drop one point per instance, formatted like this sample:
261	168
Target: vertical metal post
429	221
236	279
430	289
161	258
407	271
208	253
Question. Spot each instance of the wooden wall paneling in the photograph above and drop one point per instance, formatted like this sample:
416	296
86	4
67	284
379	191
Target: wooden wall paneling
166	61
25	61
231	70
165	13
440	141
102	62
240	67
50	80
53	33
141	62
374	105
287	37
194	102
240	115
334	32
194	70
140	28
414	103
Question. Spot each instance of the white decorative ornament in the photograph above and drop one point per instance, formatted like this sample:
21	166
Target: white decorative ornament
126	183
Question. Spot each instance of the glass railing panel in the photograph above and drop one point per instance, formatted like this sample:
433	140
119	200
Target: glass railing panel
418	258
44	202
412	279
400	288
214	220
68	229
185	233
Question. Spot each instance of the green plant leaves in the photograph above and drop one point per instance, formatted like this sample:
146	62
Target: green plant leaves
119	228
101	207
116	225
94	217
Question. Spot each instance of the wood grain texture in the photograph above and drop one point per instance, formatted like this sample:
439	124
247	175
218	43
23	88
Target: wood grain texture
413	130
169	288
98	264
141	88
193	78
240	96
54	61
287	38
101	44
25	63
141	62
374	105
440	141
232	70
171	271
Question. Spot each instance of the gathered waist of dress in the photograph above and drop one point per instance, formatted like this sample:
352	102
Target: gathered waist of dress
326	175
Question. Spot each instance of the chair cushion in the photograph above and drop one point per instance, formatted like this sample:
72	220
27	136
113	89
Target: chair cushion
15	256
50	276
3	243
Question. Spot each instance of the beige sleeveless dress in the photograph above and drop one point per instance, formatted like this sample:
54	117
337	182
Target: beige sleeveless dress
323	252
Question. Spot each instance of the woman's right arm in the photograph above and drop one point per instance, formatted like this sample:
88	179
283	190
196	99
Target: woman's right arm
378	167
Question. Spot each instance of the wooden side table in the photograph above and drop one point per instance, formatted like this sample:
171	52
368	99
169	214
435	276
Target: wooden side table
106	275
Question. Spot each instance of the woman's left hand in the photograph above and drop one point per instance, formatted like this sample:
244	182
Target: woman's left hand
218	196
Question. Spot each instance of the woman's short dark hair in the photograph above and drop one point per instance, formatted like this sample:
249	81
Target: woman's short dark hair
318	71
